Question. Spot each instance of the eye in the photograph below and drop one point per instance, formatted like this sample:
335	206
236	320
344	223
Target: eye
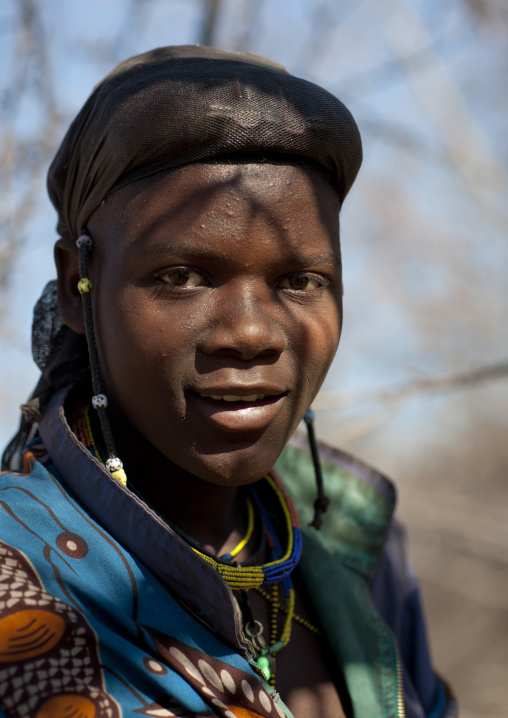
302	282
182	277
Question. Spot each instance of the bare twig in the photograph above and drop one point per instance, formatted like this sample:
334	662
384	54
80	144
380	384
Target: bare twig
428	385
211	11
251	24
23	158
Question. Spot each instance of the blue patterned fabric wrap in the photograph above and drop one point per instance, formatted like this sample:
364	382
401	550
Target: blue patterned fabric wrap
74	641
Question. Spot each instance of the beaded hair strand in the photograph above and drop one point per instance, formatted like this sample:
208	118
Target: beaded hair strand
322	501
114	465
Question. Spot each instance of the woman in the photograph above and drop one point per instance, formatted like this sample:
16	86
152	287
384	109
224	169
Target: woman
200	306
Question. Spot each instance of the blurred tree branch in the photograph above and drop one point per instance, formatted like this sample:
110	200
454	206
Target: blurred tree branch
491	12
211	14
24	154
385	401
392	396
442	100
251	26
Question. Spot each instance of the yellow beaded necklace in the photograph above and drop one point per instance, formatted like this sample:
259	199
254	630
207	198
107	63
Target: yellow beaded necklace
245	577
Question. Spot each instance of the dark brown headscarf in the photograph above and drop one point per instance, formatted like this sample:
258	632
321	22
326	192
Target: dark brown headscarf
177	105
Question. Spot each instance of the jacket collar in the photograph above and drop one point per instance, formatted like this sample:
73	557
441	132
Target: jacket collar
362	502
139	529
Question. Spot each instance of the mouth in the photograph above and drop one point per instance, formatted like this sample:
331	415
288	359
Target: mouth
240	399
239	410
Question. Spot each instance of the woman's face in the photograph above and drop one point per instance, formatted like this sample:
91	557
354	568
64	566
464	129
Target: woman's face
217	310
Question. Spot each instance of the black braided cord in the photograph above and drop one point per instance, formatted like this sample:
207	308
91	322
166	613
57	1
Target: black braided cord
84	251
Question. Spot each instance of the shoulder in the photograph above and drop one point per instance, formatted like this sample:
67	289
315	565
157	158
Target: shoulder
362	502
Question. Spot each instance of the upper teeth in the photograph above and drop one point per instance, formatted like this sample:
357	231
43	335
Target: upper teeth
234	397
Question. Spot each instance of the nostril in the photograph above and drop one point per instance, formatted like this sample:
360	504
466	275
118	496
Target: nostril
244	352
245	339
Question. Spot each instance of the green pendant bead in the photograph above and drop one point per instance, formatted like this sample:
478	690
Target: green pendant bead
264	664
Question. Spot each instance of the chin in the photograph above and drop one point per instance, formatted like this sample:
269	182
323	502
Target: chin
238	467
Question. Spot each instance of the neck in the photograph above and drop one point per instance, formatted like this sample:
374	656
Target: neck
211	514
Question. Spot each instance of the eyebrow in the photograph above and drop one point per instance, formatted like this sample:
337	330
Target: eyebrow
323	258
162	249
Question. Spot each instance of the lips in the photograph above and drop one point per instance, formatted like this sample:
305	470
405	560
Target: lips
238	409
236	397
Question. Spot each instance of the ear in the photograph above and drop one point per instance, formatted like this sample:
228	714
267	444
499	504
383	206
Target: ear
68	296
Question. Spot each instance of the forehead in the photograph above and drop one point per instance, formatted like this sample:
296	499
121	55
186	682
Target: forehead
211	196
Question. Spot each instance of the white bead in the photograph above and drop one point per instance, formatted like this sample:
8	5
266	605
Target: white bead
114	464
84	240
99	401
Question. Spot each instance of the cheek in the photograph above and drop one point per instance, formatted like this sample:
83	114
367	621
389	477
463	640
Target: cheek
317	340
143	349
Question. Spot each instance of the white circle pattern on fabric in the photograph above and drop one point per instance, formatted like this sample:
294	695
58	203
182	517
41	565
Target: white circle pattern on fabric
265	701
219	704
155	666
189	667
208	692
249	693
228	714
228	680
210	674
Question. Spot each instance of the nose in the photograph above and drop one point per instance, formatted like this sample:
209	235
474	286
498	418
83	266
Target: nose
245	323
